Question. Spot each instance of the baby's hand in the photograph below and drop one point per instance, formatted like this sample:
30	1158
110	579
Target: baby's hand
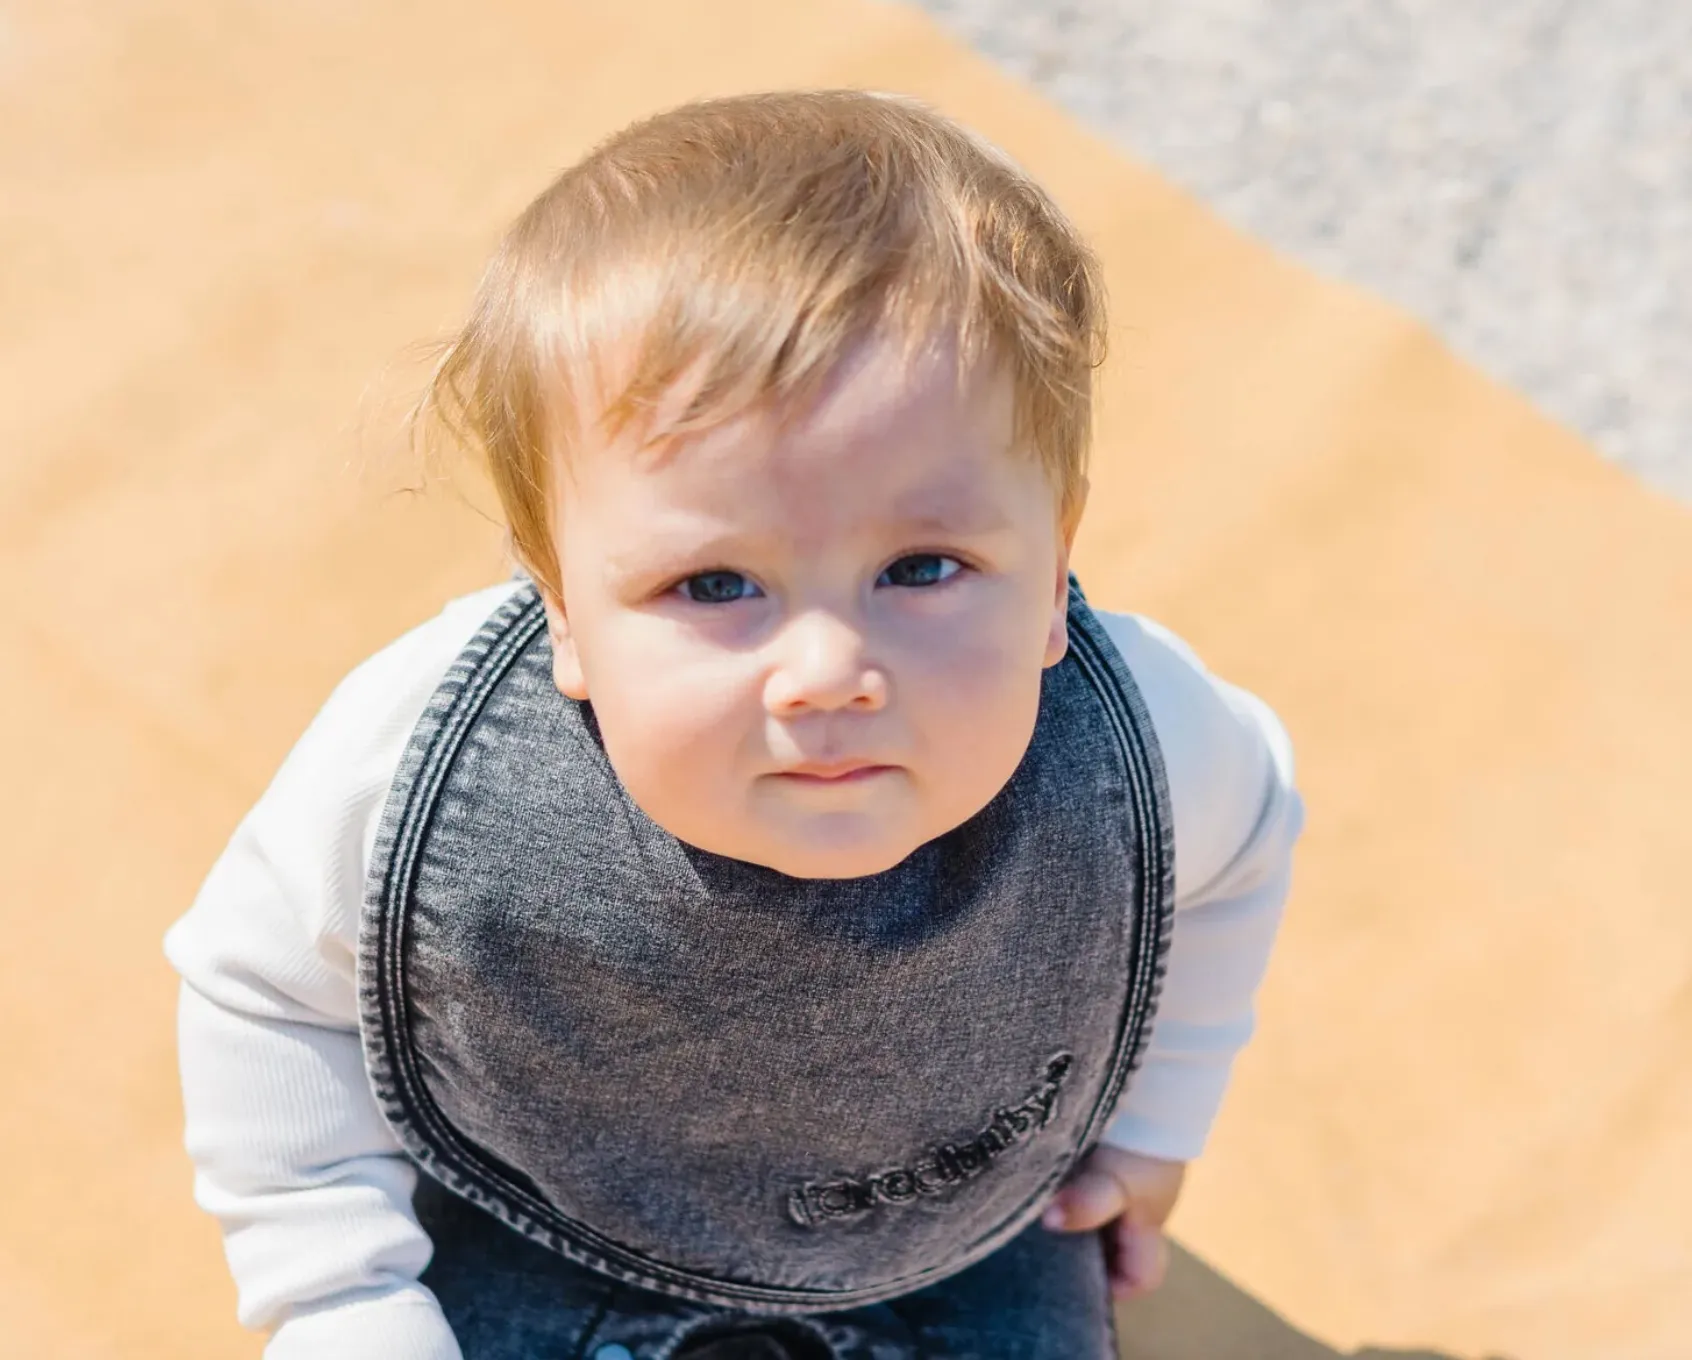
1127	1197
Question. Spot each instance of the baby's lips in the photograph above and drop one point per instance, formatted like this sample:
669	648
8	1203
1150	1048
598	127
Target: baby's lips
834	769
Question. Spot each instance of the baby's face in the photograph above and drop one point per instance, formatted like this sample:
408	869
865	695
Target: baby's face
817	648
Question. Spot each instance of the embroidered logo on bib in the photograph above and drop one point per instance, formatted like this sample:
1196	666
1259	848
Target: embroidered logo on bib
944	1165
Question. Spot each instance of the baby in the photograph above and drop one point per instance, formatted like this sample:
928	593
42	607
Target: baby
784	919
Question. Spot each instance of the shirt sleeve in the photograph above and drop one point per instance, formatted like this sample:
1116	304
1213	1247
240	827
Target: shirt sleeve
291	1153
1237	815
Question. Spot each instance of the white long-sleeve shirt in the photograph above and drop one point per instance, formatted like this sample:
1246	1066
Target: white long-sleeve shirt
293	1156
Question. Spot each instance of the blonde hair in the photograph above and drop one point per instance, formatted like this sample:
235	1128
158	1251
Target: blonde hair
748	243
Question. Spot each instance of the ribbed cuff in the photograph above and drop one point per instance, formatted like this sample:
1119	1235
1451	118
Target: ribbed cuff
404	1324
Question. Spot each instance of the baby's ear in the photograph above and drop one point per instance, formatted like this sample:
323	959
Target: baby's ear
1057	638
566	665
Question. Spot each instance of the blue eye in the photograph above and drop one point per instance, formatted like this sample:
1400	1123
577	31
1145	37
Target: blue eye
718	587
921	569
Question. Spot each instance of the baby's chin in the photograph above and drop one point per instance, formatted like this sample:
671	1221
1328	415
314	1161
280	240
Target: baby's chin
819	851
808	862
818	834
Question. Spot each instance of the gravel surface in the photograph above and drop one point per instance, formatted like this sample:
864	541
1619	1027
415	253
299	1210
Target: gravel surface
1518	173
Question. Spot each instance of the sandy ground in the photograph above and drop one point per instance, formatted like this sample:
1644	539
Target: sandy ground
1461	1131
1518	173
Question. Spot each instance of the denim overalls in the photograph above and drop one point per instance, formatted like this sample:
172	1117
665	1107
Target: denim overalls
664	1095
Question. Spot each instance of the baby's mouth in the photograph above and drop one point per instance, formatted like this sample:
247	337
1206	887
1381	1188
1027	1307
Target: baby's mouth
834	772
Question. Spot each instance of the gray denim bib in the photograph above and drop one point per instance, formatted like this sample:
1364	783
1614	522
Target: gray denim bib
707	1078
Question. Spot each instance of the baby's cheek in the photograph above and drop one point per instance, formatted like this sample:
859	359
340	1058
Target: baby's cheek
976	721
672	731
679	786
974	689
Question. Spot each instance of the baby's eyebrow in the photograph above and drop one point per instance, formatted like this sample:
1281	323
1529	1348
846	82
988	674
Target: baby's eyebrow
671	546
662	550
965	514
977	520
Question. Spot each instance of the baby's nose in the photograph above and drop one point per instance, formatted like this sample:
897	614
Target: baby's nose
822	662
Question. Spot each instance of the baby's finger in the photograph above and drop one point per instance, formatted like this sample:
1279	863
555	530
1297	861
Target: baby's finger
1090	1200
1138	1259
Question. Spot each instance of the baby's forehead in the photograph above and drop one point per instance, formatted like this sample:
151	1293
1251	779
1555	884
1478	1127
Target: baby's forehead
876	390
788	498
899	434
890	445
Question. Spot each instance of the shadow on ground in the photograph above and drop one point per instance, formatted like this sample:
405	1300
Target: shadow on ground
1200	1314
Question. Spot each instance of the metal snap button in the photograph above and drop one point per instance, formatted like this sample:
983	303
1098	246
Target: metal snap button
613	1351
